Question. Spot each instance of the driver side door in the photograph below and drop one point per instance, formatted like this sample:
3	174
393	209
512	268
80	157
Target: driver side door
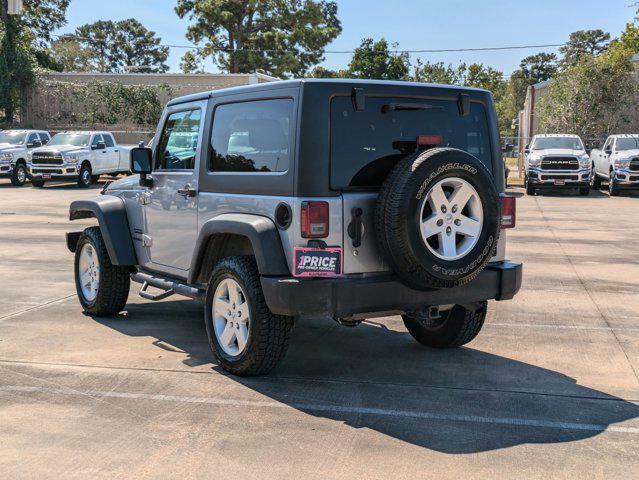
171	212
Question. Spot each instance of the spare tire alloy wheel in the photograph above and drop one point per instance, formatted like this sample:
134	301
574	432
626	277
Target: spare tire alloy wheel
451	225
438	218
231	317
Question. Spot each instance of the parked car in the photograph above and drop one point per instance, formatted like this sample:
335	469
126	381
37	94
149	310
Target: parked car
557	161
617	163
81	156
335	198
14	149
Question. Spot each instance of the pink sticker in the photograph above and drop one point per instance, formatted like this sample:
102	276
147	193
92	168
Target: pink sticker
317	262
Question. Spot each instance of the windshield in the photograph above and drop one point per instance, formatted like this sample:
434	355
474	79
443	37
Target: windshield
627	144
12	138
566	143
75	139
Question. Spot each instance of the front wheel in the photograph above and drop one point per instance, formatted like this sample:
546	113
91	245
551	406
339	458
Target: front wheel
102	288
595	181
246	338
19	176
530	190
455	327
584	191
37	183
85	179
613	186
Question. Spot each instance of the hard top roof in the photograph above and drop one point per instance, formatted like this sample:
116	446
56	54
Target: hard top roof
85	132
293	83
22	131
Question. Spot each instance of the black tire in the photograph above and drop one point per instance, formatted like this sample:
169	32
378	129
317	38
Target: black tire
398	218
530	190
95	178
85	178
457	326
595	183
37	183
269	334
584	191
114	281
613	186
19	175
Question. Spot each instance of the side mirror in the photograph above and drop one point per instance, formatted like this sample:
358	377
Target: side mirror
34	144
142	163
527	149
588	148
507	148
100	146
608	150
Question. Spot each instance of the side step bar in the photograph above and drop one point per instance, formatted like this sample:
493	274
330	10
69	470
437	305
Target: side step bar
170	287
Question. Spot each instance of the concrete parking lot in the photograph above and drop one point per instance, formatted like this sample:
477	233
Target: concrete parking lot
549	389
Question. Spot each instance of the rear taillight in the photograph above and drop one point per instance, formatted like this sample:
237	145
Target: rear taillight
508	212
429	140
314	220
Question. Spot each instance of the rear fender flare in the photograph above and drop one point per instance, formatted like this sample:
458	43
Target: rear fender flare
261	232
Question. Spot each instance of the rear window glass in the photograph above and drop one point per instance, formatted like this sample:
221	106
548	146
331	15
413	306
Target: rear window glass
366	145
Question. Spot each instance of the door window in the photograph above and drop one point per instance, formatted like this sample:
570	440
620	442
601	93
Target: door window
108	140
252	136
44	138
33	137
178	143
96	139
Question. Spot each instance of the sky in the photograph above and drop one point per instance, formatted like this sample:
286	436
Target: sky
413	24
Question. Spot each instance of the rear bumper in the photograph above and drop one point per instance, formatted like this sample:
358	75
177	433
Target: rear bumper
353	295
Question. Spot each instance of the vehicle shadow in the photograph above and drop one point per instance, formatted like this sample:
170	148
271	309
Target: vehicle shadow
456	401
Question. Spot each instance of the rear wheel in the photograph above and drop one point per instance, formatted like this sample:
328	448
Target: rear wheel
455	327
19	176
102	288
246	338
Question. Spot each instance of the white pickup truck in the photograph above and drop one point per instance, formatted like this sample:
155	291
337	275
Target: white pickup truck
557	161
14	150
617	163
81	156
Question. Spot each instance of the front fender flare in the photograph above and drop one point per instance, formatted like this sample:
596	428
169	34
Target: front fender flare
261	232
114	225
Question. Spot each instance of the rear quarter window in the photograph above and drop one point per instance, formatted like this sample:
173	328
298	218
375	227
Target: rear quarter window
365	145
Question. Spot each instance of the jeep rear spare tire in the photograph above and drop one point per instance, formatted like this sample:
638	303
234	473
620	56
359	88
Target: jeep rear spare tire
437	218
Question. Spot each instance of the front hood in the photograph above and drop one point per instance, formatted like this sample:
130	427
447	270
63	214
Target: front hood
60	149
8	148
558	152
131	182
628	154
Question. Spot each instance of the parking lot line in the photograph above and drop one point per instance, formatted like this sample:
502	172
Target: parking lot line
37	307
570	327
409	414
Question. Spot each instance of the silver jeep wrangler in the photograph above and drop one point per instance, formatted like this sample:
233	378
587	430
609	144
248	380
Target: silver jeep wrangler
336	198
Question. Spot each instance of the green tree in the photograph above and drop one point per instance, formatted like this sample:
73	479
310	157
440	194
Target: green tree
119	47
532	70
70	54
594	98
17	64
583	43
190	63
279	37
438	73
42	17
374	60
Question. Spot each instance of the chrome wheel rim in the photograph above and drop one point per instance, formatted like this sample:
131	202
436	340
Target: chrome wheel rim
86	177
231	317
451	218
21	175
89	272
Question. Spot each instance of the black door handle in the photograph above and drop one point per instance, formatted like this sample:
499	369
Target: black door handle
187	191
